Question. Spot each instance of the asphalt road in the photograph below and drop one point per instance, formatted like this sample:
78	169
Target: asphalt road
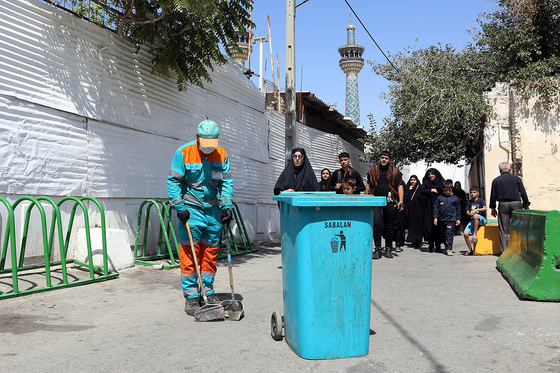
429	313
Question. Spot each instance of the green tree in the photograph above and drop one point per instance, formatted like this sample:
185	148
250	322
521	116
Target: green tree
437	94
521	43
184	36
436	104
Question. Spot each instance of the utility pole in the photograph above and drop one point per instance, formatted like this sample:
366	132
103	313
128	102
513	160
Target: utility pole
290	77
261	77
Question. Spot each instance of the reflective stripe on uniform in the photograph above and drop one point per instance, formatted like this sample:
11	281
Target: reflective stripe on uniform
208	282
209	244
195	201
192	199
189	284
207	274
175	201
188	242
194	185
189	292
217	175
176	174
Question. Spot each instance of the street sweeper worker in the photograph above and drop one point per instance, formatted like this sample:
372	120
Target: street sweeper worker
200	190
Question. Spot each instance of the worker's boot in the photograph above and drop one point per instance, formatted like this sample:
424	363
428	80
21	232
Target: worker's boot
191	305
376	253
388	253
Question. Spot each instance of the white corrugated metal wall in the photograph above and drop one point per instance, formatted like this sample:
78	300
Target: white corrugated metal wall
80	114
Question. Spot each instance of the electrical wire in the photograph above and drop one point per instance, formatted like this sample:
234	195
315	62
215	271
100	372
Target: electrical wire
303	2
365	28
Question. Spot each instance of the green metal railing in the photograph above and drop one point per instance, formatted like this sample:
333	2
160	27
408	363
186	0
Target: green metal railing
164	248
165	229
10	238
18	264
244	247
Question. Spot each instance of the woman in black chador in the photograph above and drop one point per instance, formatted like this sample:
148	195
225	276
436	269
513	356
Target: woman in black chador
298	176
414	216
432	187
324	183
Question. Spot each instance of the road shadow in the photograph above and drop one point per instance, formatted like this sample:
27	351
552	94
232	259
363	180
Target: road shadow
437	366
263	250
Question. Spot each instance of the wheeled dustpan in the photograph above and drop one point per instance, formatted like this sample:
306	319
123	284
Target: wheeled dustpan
233	309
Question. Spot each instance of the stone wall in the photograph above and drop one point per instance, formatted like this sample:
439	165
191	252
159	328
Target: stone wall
524	133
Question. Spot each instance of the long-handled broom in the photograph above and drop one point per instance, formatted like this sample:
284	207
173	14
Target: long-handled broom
233	309
208	312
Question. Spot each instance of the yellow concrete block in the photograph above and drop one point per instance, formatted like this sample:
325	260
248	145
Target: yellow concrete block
488	240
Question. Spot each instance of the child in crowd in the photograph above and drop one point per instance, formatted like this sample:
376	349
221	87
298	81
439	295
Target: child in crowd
349	185
335	182
447	215
476	210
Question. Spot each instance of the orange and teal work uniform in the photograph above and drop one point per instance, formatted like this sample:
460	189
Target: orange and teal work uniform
202	184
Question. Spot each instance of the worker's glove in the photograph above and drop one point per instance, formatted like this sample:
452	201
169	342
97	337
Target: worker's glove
184	215
227	215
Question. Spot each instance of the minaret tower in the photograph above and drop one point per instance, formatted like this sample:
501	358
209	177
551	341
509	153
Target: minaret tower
244	44
351	62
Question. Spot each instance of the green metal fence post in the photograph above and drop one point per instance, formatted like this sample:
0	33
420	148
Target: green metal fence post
11	238
19	266
78	202
46	250
164	229
243	230
57	218
234	249
103	232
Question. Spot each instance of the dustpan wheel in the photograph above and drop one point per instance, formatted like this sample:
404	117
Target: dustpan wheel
276	326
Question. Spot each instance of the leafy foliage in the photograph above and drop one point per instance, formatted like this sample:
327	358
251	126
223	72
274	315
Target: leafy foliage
522	43
436	102
92	12
437	94
184	36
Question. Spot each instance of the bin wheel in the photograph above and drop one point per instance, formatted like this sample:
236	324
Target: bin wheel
276	327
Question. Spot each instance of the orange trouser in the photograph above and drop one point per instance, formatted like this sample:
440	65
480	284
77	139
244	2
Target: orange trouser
207	258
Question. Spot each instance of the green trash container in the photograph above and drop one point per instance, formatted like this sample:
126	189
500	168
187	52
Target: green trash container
326	273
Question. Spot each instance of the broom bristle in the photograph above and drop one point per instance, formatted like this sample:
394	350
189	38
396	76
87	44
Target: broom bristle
209	312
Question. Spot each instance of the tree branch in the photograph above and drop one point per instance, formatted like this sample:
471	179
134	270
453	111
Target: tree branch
134	19
130	6
423	105
108	8
180	32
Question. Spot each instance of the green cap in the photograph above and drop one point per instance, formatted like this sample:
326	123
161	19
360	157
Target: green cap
208	129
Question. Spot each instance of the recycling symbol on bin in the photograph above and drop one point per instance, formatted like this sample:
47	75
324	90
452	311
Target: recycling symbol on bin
338	242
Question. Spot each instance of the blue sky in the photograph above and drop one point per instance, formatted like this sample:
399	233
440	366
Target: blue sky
395	25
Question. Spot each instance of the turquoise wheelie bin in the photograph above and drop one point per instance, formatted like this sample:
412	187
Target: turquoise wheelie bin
326	273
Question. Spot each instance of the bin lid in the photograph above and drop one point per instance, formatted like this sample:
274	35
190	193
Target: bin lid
329	199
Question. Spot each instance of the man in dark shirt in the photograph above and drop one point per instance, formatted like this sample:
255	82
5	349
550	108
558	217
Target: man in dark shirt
384	180
335	182
506	189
